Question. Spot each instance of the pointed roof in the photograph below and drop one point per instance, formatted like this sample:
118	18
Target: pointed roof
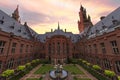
81	8
58	26
15	14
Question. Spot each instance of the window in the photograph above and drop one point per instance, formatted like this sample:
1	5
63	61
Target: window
90	49
10	63
114	47
0	64
107	64
117	64
21	48
95	48
26	48
2	46
49	48
58	48
13	47
103	47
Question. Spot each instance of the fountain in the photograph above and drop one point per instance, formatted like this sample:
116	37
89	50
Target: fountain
58	73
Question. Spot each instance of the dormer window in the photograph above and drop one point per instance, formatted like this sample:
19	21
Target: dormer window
104	27
2	20
24	33
97	31
91	33
19	30
115	22
12	27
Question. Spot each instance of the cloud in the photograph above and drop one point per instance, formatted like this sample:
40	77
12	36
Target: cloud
44	14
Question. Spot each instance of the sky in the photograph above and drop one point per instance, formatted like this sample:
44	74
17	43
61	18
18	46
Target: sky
44	15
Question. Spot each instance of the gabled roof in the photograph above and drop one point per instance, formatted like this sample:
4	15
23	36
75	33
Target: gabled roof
108	24
74	38
10	25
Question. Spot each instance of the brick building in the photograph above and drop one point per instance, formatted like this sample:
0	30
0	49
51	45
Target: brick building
17	42
100	43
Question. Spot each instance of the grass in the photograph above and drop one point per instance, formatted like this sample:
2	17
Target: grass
75	78
43	69
33	79
73	69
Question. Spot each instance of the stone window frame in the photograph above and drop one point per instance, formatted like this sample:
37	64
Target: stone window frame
2	46
102	45
0	64
117	65
114	47
21	48
13	49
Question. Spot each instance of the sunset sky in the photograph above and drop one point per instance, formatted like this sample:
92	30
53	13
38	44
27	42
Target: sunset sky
44	15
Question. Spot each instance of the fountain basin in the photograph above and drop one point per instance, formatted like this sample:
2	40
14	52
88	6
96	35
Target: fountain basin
62	74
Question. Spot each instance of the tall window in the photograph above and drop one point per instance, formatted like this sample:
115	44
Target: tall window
2	46
0	64
107	64
63	48
67	46
114	47
103	47
95	48
10	63
21	48
117	64
53	48
90	49
49	48
58	48
26	48
13	47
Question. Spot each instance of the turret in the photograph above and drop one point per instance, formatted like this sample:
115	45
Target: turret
15	14
84	21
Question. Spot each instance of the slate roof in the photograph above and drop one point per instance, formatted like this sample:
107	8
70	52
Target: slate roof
74	37
106	25
10	25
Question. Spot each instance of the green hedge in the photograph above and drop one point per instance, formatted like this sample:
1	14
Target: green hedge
92	71
7	73
109	73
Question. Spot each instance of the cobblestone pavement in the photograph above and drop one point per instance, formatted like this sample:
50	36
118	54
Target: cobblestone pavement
31	74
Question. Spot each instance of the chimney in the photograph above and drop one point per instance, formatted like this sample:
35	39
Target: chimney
102	17
65	30
51	30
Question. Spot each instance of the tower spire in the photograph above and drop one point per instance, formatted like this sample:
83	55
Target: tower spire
15	14
58	26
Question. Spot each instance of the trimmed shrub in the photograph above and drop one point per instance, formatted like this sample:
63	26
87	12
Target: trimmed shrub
88	64
118	77
28	64
20	68
7	73
83	61
96	67
109	73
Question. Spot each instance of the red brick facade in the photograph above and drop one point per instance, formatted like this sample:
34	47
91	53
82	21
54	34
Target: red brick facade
103	50
15	51
58	49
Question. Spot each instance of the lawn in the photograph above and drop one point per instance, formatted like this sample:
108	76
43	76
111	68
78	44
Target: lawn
82	79
73	69
43	69
33	79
